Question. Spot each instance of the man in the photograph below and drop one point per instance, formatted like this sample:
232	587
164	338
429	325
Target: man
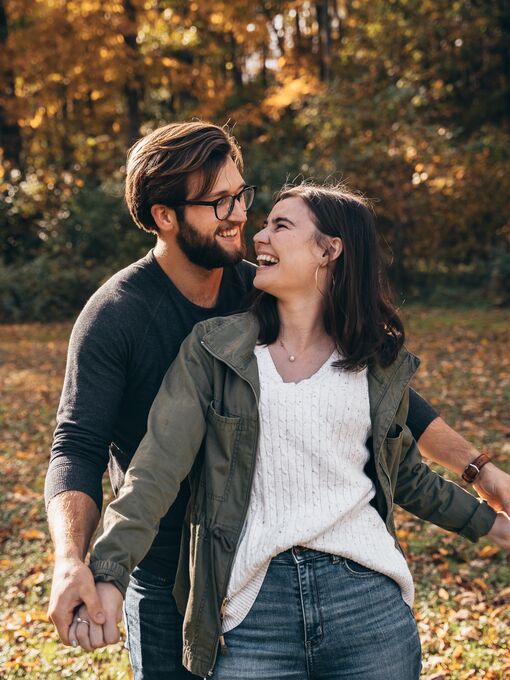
184	184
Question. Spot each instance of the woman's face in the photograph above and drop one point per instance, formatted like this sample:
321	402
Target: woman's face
287	250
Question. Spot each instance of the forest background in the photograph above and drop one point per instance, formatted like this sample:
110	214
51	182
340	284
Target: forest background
406	100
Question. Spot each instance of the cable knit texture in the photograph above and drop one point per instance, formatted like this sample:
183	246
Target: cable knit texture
309	487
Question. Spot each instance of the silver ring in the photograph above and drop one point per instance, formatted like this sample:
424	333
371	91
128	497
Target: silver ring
80	620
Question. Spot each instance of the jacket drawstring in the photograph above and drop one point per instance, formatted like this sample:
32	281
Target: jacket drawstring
227	546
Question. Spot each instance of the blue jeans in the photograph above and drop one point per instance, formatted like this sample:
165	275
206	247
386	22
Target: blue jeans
154	629
321	617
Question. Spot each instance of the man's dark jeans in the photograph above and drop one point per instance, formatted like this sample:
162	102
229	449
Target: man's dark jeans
154	629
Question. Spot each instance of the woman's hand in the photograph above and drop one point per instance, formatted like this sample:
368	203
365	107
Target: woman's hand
89	635
500	532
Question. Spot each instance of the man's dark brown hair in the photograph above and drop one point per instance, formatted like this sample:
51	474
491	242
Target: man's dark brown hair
158	166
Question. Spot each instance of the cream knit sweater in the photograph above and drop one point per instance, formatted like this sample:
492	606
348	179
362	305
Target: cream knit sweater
309	487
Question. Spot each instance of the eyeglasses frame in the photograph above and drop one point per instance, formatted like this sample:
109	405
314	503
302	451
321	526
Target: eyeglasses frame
214	203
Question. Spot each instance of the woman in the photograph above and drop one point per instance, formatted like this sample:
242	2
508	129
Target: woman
290	421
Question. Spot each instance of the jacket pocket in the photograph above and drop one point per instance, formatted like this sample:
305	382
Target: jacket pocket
220	450
391	455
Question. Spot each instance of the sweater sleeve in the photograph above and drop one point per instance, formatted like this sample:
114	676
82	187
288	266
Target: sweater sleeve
420	415
175	430
94	383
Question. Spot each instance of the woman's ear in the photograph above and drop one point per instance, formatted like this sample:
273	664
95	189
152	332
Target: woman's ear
334	249
165	218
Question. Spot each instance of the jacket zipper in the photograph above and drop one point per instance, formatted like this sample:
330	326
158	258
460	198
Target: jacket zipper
221	640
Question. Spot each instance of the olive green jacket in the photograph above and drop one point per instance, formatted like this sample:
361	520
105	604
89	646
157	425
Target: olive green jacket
204	424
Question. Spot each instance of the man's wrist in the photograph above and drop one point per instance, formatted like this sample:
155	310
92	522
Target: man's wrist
473	469
69	556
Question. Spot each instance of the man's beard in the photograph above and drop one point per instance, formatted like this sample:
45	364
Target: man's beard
205	251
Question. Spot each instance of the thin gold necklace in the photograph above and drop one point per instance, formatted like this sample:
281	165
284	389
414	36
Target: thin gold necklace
292	357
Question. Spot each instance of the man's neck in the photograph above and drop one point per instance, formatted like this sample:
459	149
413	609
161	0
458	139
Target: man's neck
200	286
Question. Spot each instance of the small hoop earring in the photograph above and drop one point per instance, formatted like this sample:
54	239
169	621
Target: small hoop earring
317	279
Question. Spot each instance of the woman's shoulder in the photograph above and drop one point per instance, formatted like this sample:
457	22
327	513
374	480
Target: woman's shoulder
233	324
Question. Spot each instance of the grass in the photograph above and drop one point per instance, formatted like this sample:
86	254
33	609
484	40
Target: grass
463	593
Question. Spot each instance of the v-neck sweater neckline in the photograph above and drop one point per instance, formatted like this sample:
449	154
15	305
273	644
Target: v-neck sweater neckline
263	354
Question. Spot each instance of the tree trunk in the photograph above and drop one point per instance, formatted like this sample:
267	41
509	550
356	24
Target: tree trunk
264	67
298	38
133	89
324	22
10	133
504	23
237	72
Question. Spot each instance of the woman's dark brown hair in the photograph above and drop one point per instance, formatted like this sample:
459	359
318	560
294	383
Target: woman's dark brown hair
159	164
358	312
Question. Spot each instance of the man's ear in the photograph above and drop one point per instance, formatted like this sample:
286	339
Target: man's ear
164	217
334	249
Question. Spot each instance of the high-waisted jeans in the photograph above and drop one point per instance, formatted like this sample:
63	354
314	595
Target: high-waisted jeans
321	617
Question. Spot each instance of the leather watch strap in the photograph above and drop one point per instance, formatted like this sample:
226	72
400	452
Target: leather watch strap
472	470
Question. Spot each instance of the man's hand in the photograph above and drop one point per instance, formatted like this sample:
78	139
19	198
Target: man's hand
493	485
500	532
90	635
73	584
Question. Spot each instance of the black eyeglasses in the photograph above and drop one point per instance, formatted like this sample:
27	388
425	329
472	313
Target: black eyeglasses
224	206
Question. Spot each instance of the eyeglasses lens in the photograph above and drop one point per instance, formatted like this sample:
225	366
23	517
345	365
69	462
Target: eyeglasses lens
225	207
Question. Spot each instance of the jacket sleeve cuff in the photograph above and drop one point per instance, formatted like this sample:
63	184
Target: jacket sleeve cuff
111	572
480	522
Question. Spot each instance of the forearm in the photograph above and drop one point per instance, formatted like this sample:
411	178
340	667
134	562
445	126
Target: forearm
441	444
427	495
72	517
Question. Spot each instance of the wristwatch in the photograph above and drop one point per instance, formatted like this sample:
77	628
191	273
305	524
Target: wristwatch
472	470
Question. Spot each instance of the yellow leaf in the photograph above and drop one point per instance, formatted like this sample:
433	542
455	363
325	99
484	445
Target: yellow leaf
458	651
32	534
443	594
23	455
488	551
36	615
33	579
480	583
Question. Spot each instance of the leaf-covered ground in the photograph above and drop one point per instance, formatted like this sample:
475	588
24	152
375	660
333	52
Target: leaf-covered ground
463	590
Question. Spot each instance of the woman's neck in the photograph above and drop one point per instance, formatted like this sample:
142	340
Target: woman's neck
302	324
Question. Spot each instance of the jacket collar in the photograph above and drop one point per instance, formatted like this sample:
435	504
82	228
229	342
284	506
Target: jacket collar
233	338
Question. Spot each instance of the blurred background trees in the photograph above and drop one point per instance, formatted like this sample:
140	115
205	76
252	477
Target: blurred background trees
406	100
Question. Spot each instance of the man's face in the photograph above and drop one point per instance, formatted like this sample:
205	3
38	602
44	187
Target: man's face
206	241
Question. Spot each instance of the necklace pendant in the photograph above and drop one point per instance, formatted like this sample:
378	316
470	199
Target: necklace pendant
292	358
